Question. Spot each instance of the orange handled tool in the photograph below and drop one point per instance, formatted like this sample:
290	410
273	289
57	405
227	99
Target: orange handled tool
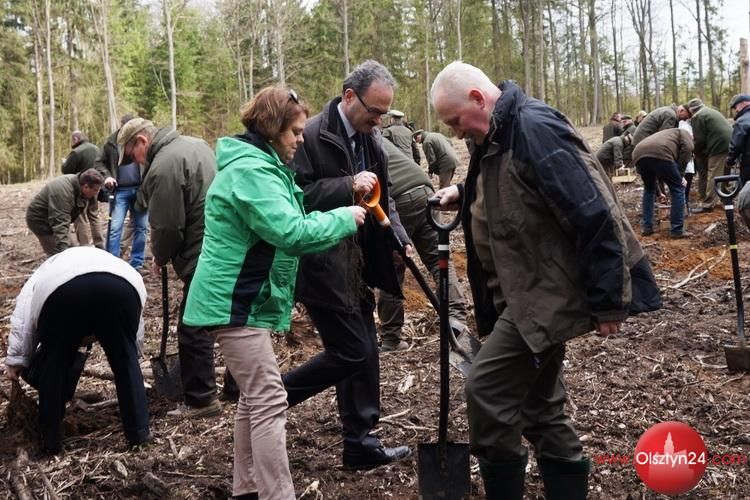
371	203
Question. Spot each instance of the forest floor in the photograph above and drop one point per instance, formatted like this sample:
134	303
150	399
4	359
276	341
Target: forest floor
664	366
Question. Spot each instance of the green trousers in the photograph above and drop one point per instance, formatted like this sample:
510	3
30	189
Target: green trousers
513	393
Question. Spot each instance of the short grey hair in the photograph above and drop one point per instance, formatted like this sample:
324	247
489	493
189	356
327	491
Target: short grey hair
457	77
365	75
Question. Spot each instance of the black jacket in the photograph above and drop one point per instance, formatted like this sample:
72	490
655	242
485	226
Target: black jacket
324	169
739	146
563	251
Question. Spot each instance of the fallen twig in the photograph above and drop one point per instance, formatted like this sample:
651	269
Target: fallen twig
47	484
690	277
18	478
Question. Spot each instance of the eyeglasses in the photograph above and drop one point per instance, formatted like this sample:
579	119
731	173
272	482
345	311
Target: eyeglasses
293	96
372	111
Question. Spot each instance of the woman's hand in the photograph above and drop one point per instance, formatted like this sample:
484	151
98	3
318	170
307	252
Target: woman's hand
358	213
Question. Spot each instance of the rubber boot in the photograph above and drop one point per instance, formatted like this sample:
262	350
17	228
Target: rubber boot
565	479
503	480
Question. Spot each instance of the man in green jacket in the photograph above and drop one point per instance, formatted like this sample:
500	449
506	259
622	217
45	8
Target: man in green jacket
401	135
611	153
82	157
711	133
177	172
440	155
58	204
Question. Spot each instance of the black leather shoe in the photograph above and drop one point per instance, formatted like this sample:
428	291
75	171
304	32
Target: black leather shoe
369	458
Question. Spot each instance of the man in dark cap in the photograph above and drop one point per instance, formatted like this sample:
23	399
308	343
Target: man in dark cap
739	146
177	170
81	158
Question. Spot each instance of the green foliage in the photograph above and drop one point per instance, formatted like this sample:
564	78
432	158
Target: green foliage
226	50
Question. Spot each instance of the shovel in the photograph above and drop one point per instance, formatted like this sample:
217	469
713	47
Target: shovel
111	202
738	357
443	466
464	346
166	369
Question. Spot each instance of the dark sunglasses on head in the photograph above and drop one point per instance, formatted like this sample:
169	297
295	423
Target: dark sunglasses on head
293	96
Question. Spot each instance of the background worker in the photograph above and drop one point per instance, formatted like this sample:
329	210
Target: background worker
440	155
60	202
123	182
177	172
410	189
739	145
664	156
83	156
401	135
74	295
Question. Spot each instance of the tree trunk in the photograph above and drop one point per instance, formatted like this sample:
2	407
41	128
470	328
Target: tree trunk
495	41
525	52
709	49
168	21
593	37
584	83
345	16
618	99
51	89
458	30
652	63
540	59
101	26
700	49
555	56
38	74
675	97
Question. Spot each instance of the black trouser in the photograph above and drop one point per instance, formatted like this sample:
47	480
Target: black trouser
744	172
104	306
196	351
350	362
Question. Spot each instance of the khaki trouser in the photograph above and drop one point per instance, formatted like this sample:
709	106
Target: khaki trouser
88	226
260	459
48	243
714	168
513	392
446	178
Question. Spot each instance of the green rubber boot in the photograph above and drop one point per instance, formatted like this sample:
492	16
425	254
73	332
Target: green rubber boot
503	480
565	479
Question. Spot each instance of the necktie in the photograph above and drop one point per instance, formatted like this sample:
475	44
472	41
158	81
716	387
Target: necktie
359	152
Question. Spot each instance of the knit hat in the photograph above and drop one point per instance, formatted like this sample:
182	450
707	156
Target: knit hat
694	105
738	99
128	131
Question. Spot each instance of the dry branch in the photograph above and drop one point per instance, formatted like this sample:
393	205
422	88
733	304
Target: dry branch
18	478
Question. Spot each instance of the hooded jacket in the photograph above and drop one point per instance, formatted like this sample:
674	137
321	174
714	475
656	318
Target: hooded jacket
563	251
256	227
178	171
325	166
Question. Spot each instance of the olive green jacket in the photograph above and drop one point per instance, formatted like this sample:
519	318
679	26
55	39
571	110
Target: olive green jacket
54	207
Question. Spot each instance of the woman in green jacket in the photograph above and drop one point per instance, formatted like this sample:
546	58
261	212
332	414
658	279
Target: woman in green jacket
243	288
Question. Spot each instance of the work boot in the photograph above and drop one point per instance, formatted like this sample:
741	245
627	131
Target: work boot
393	345
565	479
186	411
503	480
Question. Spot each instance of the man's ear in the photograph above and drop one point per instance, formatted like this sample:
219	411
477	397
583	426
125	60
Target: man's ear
477	96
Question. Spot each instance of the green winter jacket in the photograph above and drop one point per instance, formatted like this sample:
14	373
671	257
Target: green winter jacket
255	229
178	171
711	132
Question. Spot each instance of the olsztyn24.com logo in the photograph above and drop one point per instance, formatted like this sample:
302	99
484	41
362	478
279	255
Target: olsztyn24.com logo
670	458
